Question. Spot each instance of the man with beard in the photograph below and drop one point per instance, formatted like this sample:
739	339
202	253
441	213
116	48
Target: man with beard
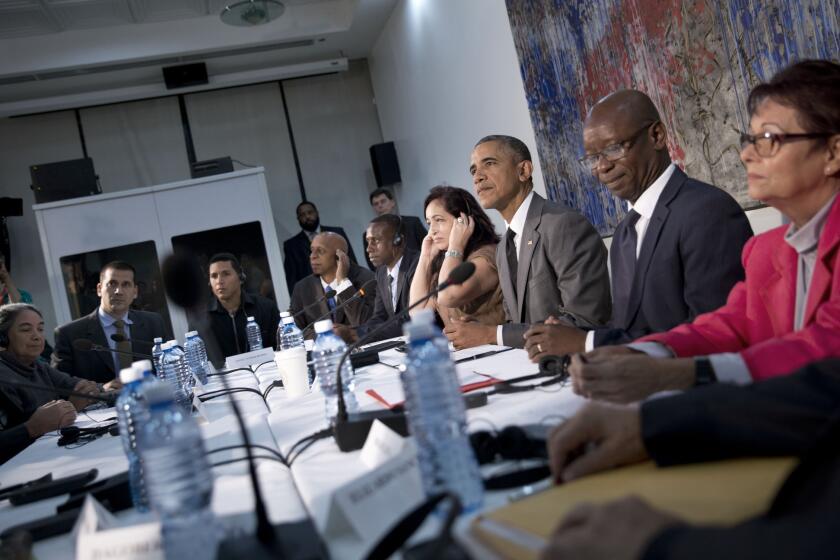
296	249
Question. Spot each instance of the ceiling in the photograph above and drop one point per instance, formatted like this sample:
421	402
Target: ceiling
60	53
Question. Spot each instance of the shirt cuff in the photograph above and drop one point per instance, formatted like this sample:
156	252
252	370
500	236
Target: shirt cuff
500	339
652	349
730	367
589	344
345	284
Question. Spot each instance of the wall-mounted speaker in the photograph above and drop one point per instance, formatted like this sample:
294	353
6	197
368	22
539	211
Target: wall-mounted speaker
185	75
386	168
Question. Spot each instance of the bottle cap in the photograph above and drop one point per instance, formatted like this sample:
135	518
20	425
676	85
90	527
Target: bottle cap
285	314
157	340
422	325
288	319
129	375
250	319
323	326
142	366
192	333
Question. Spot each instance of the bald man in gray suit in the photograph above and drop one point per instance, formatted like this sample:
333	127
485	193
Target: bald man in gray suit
551	260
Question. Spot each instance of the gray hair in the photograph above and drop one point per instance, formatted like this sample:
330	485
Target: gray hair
514	145
10	312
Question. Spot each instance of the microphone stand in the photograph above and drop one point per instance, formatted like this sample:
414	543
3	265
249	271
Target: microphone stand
350	434
359	294
327	295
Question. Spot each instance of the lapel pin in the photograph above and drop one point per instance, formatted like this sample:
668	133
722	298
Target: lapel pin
530	242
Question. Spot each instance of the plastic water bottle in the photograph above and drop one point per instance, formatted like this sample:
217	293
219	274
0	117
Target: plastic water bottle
132	414
290	335
184	373
178	478
173	366
252	329
326	354
437	416
196	356
157	352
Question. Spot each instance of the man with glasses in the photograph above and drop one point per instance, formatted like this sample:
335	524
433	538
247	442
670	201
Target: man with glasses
677	252
112	325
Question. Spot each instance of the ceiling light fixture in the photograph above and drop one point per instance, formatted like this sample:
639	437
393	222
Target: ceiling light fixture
248	13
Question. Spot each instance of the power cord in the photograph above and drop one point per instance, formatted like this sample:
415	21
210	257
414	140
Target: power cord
303	444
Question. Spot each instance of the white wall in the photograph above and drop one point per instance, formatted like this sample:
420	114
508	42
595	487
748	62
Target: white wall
445	74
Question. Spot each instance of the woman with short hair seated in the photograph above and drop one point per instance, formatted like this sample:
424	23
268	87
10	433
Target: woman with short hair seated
26	413
786	312
459	231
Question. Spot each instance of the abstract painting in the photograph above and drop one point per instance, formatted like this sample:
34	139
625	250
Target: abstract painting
697	60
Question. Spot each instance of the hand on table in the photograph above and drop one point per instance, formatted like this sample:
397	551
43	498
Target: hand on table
466	334
628	378
87	387
113	385
599	437
618	530
50	416
553	338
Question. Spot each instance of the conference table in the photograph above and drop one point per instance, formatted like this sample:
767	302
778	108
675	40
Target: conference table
306	488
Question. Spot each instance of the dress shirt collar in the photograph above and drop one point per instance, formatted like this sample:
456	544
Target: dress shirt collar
311	234
107	320
517	223
396	268
806	238
646	203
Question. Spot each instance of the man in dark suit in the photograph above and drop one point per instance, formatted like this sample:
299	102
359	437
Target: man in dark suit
791	415
332	269
551	262
134	330
296	249
395	264
382	201
231	306
675	255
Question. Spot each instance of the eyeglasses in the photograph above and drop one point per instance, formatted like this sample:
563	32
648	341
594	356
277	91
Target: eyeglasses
767	144
613	152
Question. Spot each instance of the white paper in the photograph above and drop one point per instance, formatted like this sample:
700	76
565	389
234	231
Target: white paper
505	366
476	350
373	501
97	536
382	444
248	359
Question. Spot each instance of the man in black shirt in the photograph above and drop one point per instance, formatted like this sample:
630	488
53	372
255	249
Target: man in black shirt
232	305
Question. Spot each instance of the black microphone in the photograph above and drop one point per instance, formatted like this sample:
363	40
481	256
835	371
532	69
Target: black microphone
350	435
84	344
116	337
330	293
184	283
360	293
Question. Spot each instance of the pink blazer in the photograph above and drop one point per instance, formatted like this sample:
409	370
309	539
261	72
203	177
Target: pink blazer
757	319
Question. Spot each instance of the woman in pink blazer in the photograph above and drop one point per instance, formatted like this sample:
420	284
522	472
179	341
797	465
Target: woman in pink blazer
786	313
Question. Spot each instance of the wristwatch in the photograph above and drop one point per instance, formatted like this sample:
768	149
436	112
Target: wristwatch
704	373
458	254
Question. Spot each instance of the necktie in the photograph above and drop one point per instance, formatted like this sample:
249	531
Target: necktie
392	289
624	267
123	346
512	258
331	305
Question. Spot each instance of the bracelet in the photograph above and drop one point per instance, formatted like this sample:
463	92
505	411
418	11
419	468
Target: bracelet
458	254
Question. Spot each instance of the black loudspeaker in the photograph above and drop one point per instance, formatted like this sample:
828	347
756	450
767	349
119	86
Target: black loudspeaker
211	167
185	75
63	179
386	168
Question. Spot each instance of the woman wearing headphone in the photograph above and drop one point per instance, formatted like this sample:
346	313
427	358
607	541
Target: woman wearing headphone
26	414
459	231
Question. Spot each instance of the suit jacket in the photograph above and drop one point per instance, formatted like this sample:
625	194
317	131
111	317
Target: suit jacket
757	320
383	308
309	293
296	255
792	415
689	260
98	365
562	272
414	234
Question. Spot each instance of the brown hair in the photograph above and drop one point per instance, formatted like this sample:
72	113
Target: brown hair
811	88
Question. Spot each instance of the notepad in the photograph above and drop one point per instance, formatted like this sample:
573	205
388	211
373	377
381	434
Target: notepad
724	493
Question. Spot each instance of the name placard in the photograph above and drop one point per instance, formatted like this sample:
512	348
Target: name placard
248	359
99	538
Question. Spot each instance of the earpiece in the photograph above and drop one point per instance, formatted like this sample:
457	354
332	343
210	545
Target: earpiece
75	434
511	443
398	237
